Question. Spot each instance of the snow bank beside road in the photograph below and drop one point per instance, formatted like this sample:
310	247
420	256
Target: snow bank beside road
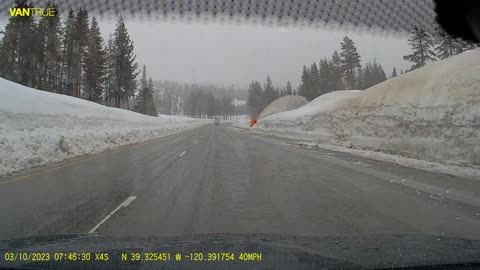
38	127
282	104
299	120
320	104
431	114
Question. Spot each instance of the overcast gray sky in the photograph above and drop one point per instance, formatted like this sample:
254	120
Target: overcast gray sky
238	54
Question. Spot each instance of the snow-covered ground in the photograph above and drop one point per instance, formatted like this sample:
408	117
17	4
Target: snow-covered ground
285	103
299	120
38	127
431	114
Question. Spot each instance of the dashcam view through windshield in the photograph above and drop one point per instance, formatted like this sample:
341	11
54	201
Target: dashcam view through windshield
237	135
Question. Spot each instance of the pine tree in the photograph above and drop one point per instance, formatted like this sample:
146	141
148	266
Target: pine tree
444	44
336	66
251	99
110	79
167	99
9	50
210	105
324	77
80	38
278	92
19	48
350	60
254	100
378	73
314	90
47	51
462	45
258	92
52	48
269	94
140	105
125	65
371	74
94	64
368	76
394	73
27	51
302	90
288	89
421	44
67	75
360	82
307	88
151	108
40	76
144	100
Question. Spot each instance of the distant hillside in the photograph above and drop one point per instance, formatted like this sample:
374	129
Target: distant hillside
171	97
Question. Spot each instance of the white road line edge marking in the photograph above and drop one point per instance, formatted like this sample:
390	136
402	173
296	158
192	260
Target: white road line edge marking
124	204
183	153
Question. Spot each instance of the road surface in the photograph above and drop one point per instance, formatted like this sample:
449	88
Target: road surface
218	179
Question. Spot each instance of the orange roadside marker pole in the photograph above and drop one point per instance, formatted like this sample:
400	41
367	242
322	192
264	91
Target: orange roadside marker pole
253	121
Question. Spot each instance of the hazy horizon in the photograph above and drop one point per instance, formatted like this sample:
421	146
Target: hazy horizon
237	54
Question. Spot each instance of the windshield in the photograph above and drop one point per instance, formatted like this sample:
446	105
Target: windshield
141	120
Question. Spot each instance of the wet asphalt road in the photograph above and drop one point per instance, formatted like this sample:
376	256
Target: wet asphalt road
218	179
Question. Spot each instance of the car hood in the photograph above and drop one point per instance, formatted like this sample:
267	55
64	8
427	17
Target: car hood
276	251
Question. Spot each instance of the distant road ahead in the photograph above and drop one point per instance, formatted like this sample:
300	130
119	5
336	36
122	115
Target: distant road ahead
224	180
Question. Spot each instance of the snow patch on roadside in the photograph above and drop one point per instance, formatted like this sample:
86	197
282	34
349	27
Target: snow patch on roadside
429	115
310	141
285	103
298	122
37	127
466	172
